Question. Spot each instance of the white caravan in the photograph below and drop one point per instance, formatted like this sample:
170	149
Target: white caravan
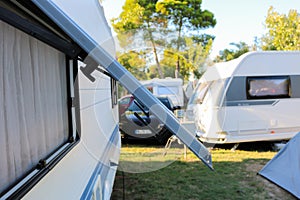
171	87
253	98
45	154
59	137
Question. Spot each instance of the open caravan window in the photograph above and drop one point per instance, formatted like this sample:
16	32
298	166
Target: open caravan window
92	42
268	87
36	128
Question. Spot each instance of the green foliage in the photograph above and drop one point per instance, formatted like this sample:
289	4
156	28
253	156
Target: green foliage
191	58
186	13
134	63
230	54
130	19
283	31
152	23
235	176
186	17
168	71
196	53
140	19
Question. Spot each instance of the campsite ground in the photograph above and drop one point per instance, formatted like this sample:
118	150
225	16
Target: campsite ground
145	174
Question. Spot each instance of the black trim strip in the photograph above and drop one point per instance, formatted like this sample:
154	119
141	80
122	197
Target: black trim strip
39	33
250	103
76	102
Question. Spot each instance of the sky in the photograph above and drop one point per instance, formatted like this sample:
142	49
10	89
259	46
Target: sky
237	20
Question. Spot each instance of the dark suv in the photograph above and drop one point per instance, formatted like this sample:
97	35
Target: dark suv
137	122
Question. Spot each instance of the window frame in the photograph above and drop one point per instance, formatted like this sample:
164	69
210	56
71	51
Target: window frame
72	52
268	96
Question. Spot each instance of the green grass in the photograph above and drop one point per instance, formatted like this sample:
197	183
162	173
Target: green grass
173	177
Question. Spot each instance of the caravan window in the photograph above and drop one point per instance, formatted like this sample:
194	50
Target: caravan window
34	108
150	89
201	92
167	90
268	87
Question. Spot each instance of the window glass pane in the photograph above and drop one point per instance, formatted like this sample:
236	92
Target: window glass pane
136	106
201	92
33	103
163	90
268	87
125	101
166	102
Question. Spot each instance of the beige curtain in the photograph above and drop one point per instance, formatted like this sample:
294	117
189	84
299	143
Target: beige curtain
33	103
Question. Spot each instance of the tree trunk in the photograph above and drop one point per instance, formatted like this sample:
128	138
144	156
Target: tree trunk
177	69
161	75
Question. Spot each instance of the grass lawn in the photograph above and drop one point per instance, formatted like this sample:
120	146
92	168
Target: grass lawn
149	175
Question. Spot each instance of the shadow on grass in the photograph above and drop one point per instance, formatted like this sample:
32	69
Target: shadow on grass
235	177
248	146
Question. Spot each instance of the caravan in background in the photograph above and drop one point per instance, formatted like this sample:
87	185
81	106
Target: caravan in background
171	87
252	98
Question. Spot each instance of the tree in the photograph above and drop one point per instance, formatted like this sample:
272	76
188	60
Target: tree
185	16
283	31
135	63
167	70
191	59
196	53
139	17
230	54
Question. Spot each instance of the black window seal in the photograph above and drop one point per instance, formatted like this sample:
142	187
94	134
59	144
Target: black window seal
40	33
251	97
114	92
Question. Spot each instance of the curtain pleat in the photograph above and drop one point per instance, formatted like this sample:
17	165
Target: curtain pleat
33	103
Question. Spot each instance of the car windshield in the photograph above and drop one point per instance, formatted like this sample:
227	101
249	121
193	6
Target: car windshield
136	106
166	102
